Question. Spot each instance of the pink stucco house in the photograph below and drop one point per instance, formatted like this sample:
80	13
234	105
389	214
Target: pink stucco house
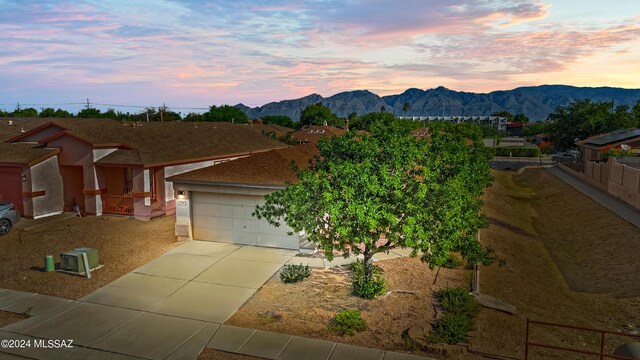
110	167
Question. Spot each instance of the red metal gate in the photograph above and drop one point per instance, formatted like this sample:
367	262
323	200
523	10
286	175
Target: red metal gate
602	333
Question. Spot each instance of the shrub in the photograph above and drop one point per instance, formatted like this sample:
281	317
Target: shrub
451	329
452	262
347	322
366	289
457	300
294	273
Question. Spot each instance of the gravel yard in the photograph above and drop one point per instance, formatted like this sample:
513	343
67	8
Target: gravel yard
123	245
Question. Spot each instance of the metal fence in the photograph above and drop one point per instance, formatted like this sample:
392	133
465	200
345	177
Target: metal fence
602	334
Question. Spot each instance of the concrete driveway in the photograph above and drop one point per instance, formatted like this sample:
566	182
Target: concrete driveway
168	308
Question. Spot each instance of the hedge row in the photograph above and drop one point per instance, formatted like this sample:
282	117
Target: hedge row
517	151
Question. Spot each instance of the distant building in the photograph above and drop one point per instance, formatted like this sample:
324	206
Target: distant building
497	122
515	129
591	149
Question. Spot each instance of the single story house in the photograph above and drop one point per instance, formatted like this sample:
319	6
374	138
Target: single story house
592	148
109	167
216	203
313	133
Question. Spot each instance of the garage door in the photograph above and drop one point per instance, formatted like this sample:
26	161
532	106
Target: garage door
227	218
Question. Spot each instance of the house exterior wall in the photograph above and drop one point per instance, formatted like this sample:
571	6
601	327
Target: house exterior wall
170	201
113	180
45	186
11	186
41	134
74	152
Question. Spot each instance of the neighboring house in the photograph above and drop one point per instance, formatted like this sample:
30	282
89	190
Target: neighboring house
515	141
619	177
216	203
515	129
540	138
313	133
591	149
272	130
109	167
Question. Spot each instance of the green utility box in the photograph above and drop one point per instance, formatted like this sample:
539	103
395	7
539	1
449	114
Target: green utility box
71	261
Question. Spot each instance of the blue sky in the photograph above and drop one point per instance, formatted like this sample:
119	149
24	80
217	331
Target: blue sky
199	53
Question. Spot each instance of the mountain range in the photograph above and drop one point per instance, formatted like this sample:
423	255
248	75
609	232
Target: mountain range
534	101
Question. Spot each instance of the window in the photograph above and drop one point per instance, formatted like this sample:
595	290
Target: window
128	182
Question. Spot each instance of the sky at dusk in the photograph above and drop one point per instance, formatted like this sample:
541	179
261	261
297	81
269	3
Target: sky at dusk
199	53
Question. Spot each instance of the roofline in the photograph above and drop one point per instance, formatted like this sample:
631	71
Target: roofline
62	133
35	129
95	146
55	152
52	153
204	182
192	160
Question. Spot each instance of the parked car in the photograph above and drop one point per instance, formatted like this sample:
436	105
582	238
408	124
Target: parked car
569	156
9	216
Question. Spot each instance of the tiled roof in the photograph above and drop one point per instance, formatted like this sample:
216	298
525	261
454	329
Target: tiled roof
268	168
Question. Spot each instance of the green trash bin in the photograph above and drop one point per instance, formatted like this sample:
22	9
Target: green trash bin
49	264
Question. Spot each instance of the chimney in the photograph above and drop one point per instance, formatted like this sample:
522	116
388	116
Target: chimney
346	124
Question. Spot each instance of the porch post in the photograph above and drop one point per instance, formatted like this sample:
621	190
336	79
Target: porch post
141	194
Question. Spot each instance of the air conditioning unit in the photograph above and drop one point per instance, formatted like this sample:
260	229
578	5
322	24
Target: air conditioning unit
71	261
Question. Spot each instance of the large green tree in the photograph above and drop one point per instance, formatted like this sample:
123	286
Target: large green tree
583	118
318	114
369	192
89	112
26	112
374	120
51	112
635	112
226	113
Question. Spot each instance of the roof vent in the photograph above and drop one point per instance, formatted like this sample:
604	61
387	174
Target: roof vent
10	122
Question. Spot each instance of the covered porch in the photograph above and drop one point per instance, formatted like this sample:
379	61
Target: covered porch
132	191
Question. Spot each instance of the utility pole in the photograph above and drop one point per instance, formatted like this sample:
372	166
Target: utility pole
88	106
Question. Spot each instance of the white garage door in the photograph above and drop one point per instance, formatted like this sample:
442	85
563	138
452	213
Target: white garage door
227	218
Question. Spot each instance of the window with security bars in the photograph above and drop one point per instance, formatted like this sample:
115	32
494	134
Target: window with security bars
128	182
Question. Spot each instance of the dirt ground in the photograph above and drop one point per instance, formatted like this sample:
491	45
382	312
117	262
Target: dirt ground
538	221
211	354
564	259
8	318
305	308
123	245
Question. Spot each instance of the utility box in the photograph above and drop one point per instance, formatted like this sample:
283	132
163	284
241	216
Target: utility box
92	256
71	261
